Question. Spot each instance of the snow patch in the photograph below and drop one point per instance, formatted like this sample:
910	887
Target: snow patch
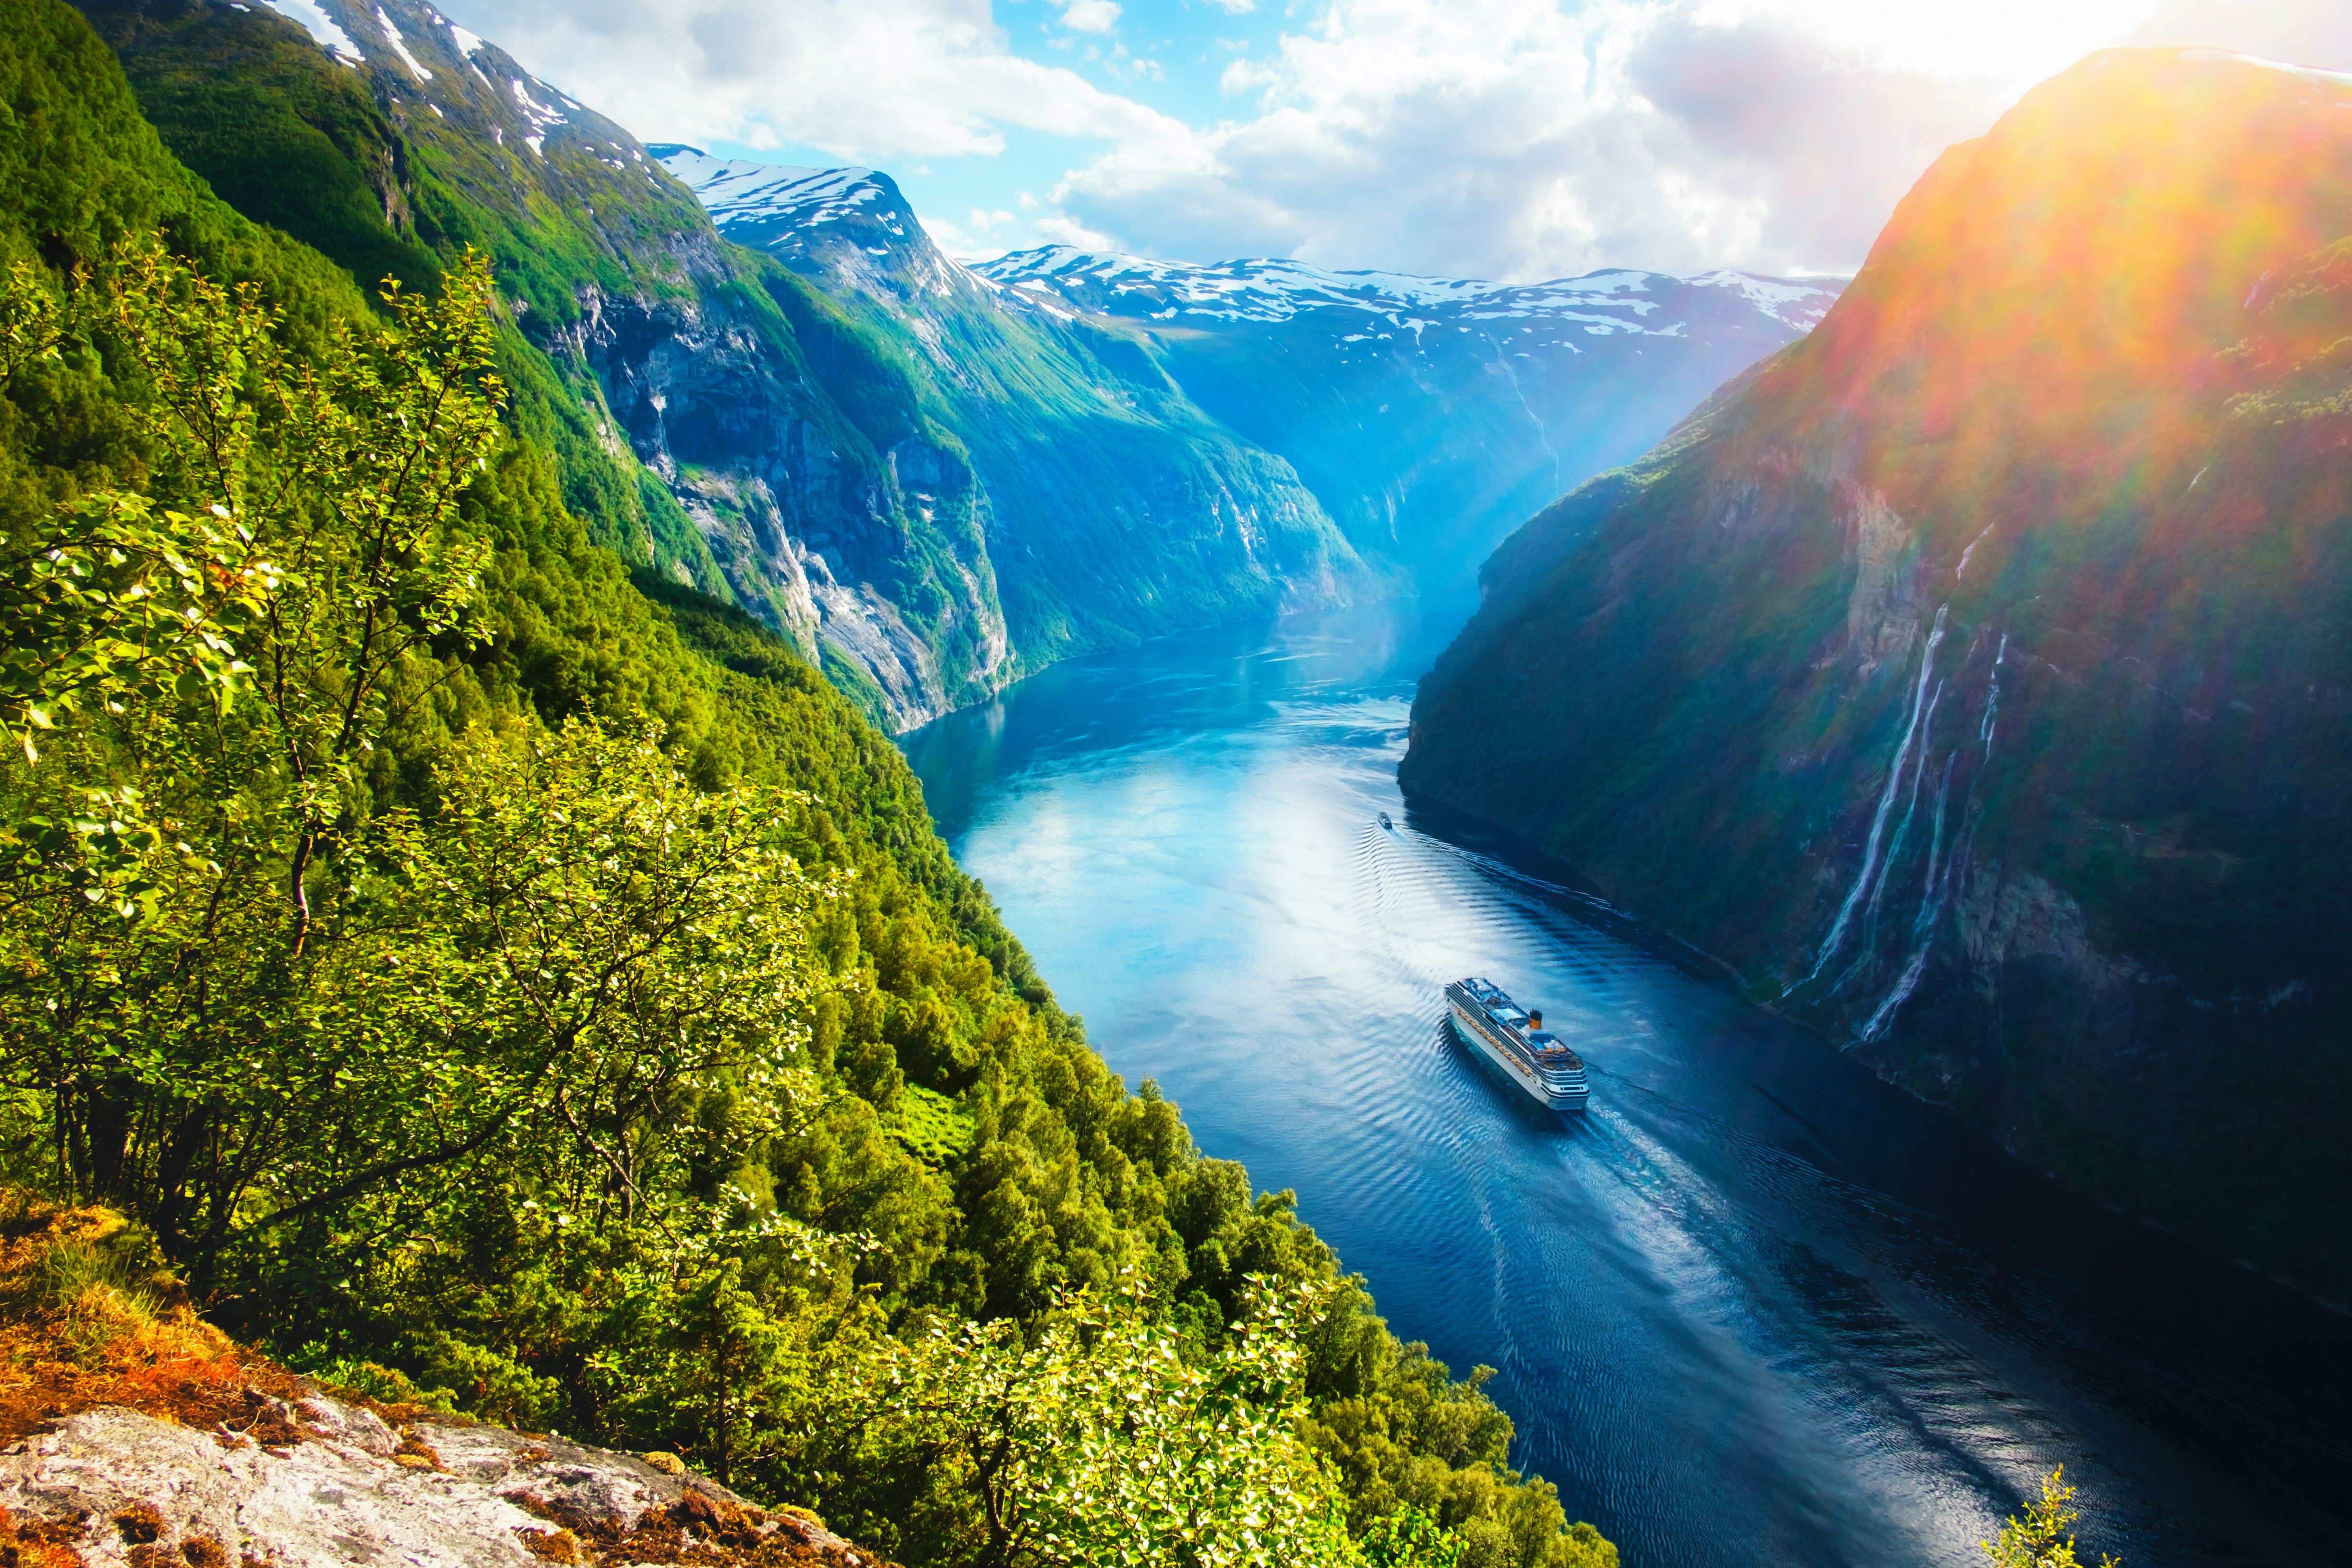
400	46
321	27
540	116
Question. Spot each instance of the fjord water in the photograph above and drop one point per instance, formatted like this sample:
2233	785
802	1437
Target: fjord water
1754	1307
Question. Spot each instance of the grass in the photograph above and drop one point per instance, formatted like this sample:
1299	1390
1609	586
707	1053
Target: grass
89	1316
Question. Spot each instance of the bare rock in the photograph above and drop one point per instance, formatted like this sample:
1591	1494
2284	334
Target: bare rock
320	1481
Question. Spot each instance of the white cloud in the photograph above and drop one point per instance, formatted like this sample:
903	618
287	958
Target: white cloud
1510	139
1234	7
1521	139
1090	15
2309	34
865	80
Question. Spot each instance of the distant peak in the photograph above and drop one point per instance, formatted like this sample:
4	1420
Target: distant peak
1274	288
765	202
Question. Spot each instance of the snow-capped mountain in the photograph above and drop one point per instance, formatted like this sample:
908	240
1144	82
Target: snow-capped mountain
853	228
1268	290
1428	416
742	195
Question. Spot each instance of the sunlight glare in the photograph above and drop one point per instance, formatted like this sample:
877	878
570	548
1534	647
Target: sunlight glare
2010	44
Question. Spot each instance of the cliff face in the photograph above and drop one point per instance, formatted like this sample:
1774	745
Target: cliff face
1110	505
1429	415
1973	675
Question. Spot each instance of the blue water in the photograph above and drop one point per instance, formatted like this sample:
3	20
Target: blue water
1754	1307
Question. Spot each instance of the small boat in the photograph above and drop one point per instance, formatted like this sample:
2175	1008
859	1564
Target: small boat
1386	823
1516	1041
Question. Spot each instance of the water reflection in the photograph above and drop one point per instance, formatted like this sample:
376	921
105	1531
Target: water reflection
1753	1307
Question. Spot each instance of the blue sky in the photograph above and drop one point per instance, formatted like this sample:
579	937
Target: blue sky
1171	54
1505	139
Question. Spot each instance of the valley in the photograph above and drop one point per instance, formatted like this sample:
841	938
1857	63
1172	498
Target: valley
653	805
1755	1305
1963	677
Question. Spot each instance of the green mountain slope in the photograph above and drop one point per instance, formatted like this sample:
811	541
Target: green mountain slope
1973	676
748	431
749	411
1115	507
961	1126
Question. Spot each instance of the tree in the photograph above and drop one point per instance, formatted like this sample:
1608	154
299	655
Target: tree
211	657
2041	1537
247	996
1103	1445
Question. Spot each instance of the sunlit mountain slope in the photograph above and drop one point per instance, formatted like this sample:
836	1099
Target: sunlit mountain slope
1975	677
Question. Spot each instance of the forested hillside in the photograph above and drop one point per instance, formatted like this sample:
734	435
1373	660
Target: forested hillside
713	413
496	980
1972	675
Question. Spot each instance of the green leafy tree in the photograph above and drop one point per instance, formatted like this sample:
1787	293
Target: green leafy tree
294	543
1409	1538
2042	1536
1104	1443
251	997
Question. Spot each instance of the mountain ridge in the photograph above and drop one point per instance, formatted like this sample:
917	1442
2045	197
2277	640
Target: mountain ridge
1425	417
1963	674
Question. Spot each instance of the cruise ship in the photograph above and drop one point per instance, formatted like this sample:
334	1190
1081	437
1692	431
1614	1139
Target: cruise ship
1515	1041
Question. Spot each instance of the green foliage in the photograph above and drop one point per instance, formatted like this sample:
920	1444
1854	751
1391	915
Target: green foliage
1105	1443
302	979
932	1126
247	107
2041	1536
505	985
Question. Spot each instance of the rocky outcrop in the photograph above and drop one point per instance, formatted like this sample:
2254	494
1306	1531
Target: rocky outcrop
317	1480
1108	506
1966	677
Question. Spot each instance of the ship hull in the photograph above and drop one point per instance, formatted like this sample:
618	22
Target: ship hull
1474	1033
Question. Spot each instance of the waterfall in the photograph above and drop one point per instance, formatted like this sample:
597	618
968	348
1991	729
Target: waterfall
1931	906
1864	879
1931	893
1903	828
1992	699
1963	570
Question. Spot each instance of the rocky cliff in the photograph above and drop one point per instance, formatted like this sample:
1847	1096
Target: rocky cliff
315	1479
1429	415
1113	507
1973	675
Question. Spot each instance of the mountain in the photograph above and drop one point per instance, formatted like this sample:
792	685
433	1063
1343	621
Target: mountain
710	413
1114	508
1431	416
716	415
933	479
935	1110
1972	675
1425	416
